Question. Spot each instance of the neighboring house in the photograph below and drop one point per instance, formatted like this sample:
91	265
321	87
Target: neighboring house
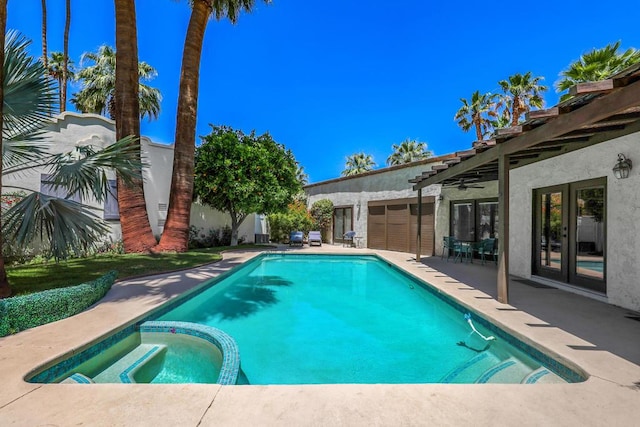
71	129
381	208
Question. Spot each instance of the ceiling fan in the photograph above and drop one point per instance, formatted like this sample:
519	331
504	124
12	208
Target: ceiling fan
461	185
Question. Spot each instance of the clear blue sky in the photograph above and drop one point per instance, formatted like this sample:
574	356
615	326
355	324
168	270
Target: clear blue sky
328	79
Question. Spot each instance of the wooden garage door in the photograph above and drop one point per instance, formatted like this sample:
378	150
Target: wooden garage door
398	228
427	231
392	225
376	228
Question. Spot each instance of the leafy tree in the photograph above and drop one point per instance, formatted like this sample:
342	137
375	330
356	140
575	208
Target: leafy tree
477	113
28	99
99	85
242	174
358	163
303	178
520	93
295	218
408	151
322	215
595	65
176	229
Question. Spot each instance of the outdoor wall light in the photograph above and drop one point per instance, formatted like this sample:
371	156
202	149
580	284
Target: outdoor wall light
440	197
622	168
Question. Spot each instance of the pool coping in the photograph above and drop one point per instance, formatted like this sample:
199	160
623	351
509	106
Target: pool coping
609	393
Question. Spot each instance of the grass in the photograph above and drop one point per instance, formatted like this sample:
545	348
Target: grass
26	279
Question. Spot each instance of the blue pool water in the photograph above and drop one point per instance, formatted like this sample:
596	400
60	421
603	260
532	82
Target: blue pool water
592	265
301	319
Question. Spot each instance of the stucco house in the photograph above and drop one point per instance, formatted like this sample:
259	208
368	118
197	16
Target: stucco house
70	129
381	208
558	192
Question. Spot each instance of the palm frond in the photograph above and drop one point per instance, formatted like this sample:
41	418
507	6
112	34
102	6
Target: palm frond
83	171
29	99
65	225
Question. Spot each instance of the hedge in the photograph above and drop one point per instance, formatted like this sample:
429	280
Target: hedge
28	311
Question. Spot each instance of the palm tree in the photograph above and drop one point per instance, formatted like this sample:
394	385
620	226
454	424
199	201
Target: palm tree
65	50
408	151
358	163
301	175
521	92
99	84
137	235
597	64
5	289
476	113
55	66
175	235
44	34
28	100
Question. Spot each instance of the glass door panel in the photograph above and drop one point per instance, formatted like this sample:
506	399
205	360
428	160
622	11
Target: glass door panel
462	225
551	230
588	266
342	222
487	220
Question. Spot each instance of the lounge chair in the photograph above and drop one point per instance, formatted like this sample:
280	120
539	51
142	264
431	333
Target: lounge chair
347	238
315	237
296	238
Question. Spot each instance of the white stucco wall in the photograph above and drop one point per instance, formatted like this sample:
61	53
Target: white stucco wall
70	129
622	210
384	184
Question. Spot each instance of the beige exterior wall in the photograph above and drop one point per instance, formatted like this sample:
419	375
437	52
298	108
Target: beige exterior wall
622	211
384	184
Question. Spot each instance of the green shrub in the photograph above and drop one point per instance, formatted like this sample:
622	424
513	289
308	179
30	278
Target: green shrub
322	215
29	311
295	218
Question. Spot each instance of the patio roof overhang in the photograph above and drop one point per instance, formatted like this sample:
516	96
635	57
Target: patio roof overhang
596	112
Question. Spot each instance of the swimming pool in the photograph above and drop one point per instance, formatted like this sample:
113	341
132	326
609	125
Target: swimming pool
323	319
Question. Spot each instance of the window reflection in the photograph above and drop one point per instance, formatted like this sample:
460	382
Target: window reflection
590	232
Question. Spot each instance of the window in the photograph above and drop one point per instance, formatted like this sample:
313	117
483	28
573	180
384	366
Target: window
474	220
111	210
47	188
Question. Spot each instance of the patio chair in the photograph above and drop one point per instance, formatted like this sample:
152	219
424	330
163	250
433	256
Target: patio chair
449	246
488	248
347	238
296	238
315	237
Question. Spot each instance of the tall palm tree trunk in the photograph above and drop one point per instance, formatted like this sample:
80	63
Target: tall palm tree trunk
137	235
176	231
45	58
65	60
5	289
478	122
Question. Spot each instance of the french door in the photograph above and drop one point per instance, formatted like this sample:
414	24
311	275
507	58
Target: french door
569	233
342	222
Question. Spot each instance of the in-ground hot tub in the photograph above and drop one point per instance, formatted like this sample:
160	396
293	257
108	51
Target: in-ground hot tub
153	352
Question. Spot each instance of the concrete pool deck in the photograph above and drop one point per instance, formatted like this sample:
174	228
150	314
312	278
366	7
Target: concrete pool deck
591	336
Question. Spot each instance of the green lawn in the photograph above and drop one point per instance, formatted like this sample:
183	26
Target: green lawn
26	279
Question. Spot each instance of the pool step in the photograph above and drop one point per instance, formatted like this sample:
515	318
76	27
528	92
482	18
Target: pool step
122	370
542	376
508	371
468	372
